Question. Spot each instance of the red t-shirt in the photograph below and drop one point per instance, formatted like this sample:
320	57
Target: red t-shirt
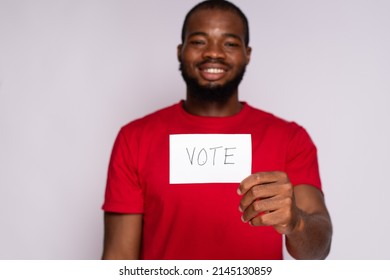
202	221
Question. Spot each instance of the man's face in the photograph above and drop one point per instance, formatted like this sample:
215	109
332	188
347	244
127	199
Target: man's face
213	56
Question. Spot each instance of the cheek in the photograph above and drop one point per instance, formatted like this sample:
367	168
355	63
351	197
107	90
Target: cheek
239	59
188	63
190	56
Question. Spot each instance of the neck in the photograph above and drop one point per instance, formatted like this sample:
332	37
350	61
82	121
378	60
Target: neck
202	108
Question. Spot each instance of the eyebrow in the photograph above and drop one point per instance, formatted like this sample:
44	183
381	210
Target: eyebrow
199	33
233	36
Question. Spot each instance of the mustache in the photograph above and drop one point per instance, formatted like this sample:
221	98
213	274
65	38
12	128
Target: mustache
214	61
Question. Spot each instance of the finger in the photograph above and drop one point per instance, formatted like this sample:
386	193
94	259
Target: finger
261	178
259	207
281	219
274	218
258	192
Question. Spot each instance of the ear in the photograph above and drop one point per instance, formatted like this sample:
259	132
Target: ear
179	48
248	54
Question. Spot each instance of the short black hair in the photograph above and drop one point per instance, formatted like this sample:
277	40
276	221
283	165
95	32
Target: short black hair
218	5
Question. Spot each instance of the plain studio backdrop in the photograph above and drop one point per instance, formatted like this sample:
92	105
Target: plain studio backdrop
73	72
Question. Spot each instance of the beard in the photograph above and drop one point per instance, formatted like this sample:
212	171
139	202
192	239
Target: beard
212	92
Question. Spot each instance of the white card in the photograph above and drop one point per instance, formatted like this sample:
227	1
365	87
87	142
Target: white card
209	158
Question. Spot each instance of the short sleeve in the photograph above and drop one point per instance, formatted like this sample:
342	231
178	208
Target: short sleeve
302	163
123	192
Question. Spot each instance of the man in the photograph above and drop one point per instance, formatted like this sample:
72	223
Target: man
159	205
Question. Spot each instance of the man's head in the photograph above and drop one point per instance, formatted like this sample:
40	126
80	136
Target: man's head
214	50
217	5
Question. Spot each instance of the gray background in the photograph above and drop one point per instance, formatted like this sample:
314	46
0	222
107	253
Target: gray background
73	72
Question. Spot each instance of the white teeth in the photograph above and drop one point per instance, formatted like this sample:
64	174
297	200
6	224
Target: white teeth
214	70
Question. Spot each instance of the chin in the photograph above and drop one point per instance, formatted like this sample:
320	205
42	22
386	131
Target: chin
212	85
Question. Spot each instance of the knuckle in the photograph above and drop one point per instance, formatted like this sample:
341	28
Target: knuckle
257	206
282	175
263	220
286	187
254	192
258	177
258	221
288	201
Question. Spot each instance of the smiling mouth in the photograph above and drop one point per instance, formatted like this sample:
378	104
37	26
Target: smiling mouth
214	70
212	73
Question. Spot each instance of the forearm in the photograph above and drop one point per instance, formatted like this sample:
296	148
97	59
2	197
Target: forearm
311	239
122	236
112	252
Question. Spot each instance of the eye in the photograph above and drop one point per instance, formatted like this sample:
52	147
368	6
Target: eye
197	42
232	44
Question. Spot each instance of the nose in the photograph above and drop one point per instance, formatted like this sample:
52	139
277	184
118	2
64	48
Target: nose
214	50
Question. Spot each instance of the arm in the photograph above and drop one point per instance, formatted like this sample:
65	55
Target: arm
311	238
122	236
269	199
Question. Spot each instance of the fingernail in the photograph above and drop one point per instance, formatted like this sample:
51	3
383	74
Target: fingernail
239	191
239	208
242	219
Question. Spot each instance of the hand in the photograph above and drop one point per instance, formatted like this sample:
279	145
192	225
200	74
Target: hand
268	200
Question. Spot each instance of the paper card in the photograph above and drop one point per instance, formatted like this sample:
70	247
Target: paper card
209	158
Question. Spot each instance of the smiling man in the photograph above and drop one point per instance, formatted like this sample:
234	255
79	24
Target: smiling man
212	177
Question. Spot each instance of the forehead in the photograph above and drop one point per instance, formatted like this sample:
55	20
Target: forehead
215	20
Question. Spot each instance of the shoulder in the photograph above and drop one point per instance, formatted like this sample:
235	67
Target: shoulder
150	121
272	122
